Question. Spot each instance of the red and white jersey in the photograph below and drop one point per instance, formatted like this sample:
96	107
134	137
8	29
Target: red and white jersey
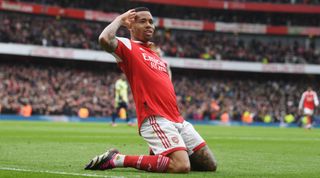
309	99
149	80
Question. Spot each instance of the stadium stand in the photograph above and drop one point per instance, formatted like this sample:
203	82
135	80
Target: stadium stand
83	3
185	12
54	89
63	87
49	31
58	87
283	1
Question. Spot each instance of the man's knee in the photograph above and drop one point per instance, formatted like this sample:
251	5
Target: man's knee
180	167
203	160
208	166
179	162
213	167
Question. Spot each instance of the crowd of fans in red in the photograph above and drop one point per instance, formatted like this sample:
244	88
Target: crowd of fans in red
53	89
49	31
62	89
194	13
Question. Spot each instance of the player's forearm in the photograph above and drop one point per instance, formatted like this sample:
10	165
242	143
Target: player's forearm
107	38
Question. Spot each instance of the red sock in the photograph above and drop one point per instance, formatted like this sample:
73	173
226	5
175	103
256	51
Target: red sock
157	163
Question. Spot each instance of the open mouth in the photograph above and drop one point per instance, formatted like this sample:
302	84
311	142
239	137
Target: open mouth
149	32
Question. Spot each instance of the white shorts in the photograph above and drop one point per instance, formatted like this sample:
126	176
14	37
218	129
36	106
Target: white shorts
165	136
307	111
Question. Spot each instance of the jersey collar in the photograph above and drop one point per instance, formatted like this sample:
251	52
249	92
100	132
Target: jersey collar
147	44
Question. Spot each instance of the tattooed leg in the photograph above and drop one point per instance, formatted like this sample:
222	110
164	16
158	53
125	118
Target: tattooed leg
203	160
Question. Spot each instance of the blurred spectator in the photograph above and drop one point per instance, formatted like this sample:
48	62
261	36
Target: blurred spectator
83	113
26	110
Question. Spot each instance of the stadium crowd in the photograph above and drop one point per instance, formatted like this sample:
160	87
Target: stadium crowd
84	3
55	90
192	13
62	89
281	1
48	31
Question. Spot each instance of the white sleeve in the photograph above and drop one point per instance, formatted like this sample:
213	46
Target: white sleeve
124	45
301	101
316	101
125	41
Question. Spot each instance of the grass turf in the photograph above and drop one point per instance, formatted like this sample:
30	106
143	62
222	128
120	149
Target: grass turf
47	149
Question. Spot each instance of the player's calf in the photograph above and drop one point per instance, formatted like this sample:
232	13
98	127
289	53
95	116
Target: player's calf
179	167
179	162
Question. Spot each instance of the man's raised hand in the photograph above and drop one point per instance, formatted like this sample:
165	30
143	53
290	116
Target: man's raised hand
127	18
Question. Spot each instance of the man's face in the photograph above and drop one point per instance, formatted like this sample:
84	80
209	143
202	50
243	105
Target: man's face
143	28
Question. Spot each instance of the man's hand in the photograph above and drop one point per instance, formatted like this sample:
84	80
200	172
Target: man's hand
127	18
107	38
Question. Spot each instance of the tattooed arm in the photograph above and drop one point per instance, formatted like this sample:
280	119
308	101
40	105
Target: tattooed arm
203	160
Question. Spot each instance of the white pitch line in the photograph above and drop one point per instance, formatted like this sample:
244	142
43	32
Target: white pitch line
61	173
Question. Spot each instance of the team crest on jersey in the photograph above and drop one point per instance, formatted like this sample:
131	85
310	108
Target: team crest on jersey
175	139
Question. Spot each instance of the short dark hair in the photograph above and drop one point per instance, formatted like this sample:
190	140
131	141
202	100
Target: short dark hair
138	9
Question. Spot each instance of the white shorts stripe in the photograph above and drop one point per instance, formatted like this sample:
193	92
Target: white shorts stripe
161	136
159	132
165	138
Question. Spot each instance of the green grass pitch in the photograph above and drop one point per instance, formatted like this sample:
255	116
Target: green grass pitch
50	149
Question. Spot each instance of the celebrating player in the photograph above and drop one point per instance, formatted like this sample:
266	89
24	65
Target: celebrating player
177	146
308	102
